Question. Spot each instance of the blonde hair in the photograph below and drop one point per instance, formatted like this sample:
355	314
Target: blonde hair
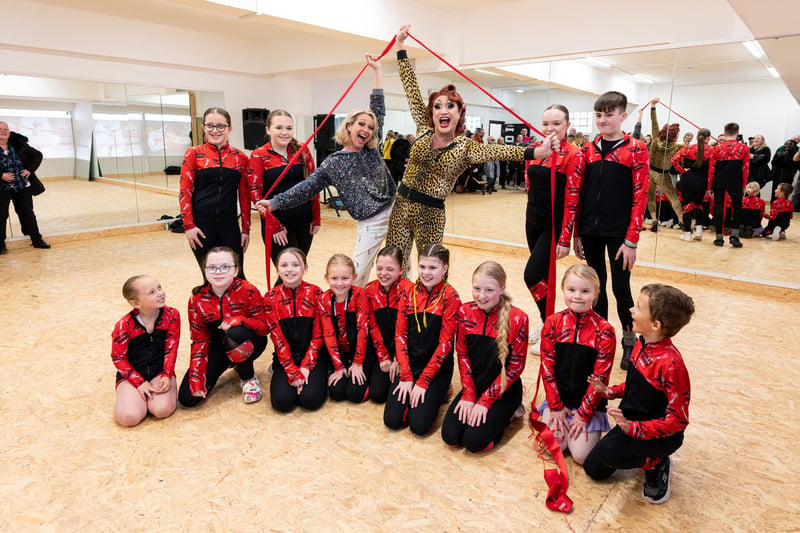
493	270
753	188
586	273
340	259
129	291
343	136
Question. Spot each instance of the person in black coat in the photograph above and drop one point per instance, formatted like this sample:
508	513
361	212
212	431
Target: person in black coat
401	147
784	166
18	162
759	161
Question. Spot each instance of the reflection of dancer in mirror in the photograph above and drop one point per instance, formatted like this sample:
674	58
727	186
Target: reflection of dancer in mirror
213	177
663	148
438	156
730	176
540	221
696	164
302	222
359	175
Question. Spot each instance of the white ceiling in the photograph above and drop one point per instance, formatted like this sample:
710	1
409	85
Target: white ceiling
697	65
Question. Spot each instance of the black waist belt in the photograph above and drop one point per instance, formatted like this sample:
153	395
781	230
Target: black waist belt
659	170
415	196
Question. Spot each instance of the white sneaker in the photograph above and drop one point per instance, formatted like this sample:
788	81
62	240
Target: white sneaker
536	349
251	390
687	236
648	221
666	224
698	233
783	235
519	413
776	233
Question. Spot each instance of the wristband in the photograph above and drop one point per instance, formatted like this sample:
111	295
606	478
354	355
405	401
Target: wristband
630	244
402	54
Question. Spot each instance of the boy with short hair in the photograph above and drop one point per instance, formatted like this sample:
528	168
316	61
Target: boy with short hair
730	176
616	178
654	410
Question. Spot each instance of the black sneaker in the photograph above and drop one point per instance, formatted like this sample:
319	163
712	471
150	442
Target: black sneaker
735	242
748	232
719	242
39	243
3	249
656	482
628	342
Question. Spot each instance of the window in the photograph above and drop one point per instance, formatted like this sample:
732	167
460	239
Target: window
582	121
472	123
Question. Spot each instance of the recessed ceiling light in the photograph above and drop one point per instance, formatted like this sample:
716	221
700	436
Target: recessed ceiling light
774	72
598	61
519	91
754	48
487	72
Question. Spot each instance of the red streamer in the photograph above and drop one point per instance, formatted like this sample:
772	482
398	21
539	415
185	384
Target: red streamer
679	116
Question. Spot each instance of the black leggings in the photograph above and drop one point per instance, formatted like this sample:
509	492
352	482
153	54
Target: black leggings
594	249
693	189
297	236
617	450
284	397
420	419
487	435
345	389
219	362
537	269
23	205
378	384
735	192
222	234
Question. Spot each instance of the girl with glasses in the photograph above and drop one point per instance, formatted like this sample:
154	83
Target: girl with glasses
213	179
228	328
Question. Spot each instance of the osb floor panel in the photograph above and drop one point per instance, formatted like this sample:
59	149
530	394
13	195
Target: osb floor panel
226	466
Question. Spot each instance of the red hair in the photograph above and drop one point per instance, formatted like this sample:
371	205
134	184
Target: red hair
450	92
670	133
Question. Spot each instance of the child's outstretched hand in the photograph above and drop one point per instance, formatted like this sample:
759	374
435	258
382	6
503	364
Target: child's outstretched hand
146	390
601	388
622	422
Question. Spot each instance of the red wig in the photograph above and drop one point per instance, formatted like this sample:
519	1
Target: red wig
670	133
450	92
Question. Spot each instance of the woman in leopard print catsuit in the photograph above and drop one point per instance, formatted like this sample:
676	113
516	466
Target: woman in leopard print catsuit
438	156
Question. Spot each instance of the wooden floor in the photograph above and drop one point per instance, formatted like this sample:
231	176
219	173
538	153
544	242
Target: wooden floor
226	466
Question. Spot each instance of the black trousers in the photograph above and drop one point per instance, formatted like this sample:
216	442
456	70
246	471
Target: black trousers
23	205
693	189
297	236
734	190
617	450
420	419
218	362
537	269
488	434
594	249
220	234
284	397
345	389
378	384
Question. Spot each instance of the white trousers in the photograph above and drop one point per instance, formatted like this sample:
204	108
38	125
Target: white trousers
370	234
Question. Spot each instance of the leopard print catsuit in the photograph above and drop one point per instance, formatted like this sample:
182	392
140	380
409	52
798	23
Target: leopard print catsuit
433	172
661	154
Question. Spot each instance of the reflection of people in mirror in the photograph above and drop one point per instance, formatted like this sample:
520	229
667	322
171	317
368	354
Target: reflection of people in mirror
663	148
213	179
696	164
18	162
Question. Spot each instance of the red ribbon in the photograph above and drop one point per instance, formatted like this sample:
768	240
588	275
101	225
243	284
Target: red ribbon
679	116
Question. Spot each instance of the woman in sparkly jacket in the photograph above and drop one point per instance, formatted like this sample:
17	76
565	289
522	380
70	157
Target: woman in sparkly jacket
360	176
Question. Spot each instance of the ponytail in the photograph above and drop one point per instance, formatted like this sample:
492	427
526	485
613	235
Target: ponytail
702	135
503	312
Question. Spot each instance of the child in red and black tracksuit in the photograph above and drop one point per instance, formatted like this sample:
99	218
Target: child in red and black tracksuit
344	319
540	217
576	343
616	179
213	179
426	330
492	345
752	211
228	328
781	211
265	165
730	176
298	376
386	295
696	174
144	348
654	410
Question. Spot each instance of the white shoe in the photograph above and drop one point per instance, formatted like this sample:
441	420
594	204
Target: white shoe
687	236
519	413
698	233
666	223
648	221
251	390
783	235
776	233
536	349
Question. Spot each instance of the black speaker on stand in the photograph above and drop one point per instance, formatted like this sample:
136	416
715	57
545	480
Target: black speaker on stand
324	143
254	127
